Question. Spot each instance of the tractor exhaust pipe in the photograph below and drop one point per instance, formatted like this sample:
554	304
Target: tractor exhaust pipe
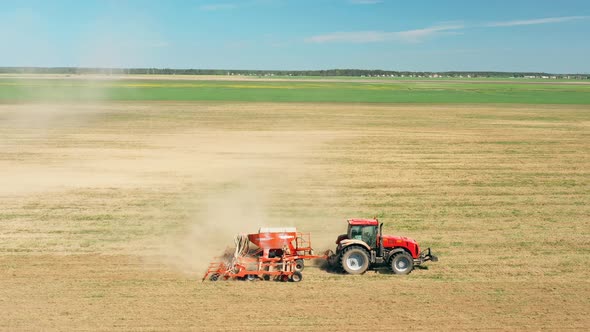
380	240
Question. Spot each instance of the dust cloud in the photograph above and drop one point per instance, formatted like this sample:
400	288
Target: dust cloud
212	228
236	184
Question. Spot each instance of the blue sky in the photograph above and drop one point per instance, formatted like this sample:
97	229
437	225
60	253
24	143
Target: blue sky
500	35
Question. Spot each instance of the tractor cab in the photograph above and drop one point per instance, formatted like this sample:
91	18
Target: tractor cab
365	230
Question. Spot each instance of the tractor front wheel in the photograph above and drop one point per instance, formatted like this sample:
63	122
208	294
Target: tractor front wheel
354	260
402	263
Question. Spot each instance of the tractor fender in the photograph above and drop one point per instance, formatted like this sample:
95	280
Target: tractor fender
349	242
393	252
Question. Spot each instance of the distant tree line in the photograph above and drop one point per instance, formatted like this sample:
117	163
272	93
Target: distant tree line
318	73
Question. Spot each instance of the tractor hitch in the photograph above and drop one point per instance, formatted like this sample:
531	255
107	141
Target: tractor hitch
425	256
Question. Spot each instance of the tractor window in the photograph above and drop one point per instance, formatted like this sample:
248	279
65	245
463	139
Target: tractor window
370	235
367	234
356	232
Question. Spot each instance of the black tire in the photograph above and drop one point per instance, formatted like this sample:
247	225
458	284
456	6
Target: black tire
402	263
333	264
354	260
297	276
214	277
299	265
251	277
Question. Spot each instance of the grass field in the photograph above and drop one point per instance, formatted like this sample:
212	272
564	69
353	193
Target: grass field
111	207
68	89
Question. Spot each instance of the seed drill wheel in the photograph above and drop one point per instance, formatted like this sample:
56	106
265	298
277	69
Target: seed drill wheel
299	265
251	277
214	277
297	276
402	263
354	260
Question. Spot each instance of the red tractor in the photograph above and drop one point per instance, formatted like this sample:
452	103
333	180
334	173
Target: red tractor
364	246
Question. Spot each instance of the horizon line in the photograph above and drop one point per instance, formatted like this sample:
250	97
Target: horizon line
278	70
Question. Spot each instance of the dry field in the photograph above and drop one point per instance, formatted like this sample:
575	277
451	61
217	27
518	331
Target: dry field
109	212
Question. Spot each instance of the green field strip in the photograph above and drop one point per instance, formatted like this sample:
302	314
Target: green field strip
411	92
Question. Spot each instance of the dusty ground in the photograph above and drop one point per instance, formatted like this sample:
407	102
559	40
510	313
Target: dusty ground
109	212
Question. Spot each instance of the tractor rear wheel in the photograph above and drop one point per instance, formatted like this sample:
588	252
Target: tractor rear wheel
402	263
354	260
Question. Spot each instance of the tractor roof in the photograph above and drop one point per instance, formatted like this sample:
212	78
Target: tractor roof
363	222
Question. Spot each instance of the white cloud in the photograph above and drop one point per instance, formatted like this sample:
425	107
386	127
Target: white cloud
419	35
220	6
410	36
546	20
365	2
